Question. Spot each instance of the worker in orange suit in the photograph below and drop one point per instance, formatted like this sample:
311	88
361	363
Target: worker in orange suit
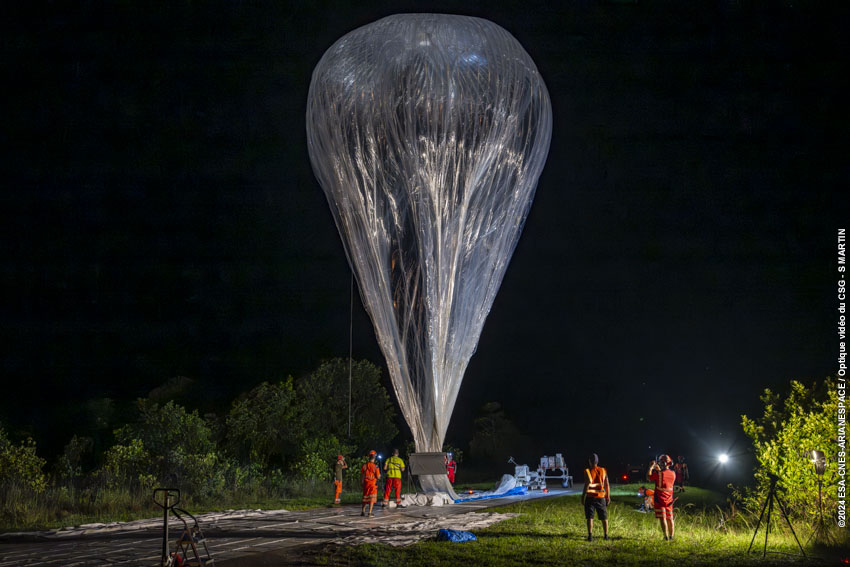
663	502
369	475
338	468
394	466
596	495
648	496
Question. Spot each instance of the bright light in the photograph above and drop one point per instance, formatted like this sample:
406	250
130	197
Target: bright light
723	458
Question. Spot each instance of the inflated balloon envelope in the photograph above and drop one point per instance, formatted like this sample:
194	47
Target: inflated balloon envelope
427	133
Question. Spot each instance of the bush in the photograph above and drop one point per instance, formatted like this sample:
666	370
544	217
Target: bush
128	465
20	465
166	445
318	456
784	438
69	467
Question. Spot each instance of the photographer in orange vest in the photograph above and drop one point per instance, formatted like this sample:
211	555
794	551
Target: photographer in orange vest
596	495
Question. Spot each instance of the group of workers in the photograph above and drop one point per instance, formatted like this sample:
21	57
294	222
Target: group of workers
597	493
370	473
595	497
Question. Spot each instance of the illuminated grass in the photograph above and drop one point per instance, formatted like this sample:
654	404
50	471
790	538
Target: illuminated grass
553	532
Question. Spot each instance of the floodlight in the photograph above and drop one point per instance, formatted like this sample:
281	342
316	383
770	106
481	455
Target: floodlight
819	460
723	458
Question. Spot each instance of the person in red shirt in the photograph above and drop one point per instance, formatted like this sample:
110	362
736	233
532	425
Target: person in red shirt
451	467
369	475
663	498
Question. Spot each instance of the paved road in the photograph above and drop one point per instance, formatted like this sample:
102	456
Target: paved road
237	540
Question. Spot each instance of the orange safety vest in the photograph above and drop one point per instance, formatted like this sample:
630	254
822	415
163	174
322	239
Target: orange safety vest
370	472
596	482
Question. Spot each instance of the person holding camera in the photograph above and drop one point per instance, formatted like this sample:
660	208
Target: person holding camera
596	495
663	498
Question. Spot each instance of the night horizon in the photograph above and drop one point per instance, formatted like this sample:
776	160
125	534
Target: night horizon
161	218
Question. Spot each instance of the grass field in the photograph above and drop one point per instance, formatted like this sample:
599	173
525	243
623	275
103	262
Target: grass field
552	531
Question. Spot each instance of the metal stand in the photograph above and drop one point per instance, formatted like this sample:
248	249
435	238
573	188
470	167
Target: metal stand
821	532
768	505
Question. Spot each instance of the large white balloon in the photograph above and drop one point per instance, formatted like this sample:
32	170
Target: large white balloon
427	133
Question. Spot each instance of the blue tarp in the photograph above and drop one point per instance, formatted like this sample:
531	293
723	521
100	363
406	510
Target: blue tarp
519	490
457	536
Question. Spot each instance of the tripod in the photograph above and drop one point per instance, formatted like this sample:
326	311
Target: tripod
768	505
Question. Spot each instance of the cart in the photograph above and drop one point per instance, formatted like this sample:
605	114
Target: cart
191	545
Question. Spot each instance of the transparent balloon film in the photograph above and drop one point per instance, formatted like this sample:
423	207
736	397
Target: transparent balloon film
427	133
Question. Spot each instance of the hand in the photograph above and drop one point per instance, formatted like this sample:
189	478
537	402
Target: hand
607	500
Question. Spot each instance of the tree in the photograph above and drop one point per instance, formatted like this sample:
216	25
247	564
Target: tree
323	398
784	438
263	426
166	444
495	435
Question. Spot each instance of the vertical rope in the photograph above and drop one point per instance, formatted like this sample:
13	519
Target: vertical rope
350	346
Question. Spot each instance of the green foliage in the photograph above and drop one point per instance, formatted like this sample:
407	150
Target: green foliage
128	465
168	445
280	441
70	464
323	399
784	437
263	427
317	457
20	465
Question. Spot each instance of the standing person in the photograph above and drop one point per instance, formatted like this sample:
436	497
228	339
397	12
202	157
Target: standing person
596	495
338	468
394	466
681	470
663	499
369	475
451	467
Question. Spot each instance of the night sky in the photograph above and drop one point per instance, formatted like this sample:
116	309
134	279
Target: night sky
160	217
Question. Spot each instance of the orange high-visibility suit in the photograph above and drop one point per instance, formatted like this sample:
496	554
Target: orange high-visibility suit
370	473
663	497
